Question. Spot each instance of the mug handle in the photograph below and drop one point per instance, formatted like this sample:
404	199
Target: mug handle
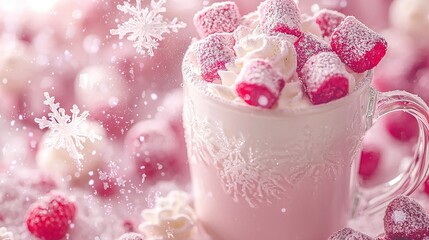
372	200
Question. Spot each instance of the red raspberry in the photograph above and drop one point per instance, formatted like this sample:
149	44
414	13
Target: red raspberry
218	18
328	20
213	53
259	84
402	126
349	234
50	219
280	16
369	160
131	236
308	45
406	219
358	46
325	78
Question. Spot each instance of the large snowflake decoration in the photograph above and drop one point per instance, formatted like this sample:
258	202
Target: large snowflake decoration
146	26
66	132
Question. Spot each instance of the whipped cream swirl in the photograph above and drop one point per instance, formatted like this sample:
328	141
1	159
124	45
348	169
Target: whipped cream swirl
5	235
171	218
279	50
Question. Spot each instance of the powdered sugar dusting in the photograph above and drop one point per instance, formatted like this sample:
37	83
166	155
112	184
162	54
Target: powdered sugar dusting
358	46
349	234
328	20
399	216
279	16
261	72
309	45
325	78
213	53
259	84
218	18
320	67
260	37
406	219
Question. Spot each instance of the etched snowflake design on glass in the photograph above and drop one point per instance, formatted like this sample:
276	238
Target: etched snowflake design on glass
146	27
66	132
306	160
316	156
245	173
198	135
266	173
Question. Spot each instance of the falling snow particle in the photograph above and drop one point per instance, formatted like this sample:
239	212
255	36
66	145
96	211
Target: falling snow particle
66	132
146	26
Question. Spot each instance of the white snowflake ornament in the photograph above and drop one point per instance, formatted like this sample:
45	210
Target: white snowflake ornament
146	26
66	132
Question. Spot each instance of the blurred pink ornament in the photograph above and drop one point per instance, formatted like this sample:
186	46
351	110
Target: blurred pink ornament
412	17
153	149
116	120
18	65
62	167
100	86
396	71
171	109
374	14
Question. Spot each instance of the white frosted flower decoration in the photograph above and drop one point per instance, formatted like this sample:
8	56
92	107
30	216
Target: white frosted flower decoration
5	235
171	218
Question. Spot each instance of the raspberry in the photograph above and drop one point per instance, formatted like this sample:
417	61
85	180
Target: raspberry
280	16
369	160
131	236
328	20
358	46
218	18
307	46
325	78
213	53
259	84
406	219
50	219
349	234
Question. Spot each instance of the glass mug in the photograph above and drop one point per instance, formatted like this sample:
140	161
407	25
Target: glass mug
288	174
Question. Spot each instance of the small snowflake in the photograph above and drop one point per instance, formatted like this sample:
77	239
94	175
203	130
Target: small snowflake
66	132
146	26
